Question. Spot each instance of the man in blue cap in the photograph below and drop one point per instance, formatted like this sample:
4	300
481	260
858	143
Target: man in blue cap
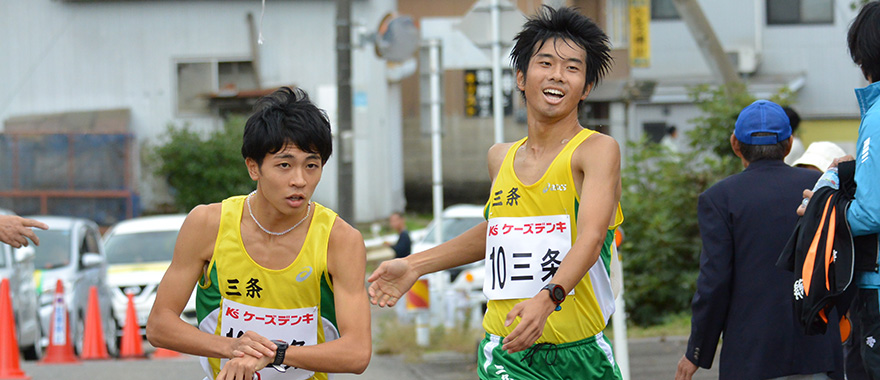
745	221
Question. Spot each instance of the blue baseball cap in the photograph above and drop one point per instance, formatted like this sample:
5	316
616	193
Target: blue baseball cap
762	116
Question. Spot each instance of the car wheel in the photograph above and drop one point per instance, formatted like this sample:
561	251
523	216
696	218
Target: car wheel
35	352
79	333
111	339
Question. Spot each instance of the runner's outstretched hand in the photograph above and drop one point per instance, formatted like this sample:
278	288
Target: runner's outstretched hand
390	281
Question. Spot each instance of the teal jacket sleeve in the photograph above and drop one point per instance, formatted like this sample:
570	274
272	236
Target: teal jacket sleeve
863	214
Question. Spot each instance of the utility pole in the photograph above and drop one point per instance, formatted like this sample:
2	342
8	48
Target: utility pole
497	98
345	179
710	47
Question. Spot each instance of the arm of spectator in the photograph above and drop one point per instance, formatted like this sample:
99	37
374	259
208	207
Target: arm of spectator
15	230
711	300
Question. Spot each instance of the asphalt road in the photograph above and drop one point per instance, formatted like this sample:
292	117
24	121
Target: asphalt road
650	359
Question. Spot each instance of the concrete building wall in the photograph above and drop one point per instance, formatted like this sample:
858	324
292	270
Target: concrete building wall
816	53
70	56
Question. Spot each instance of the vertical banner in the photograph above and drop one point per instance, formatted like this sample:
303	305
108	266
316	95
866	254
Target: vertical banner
640	33
478	92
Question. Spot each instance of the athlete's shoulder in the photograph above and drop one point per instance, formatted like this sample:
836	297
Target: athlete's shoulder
600	141
498	151
203	219
344	234
596	149
205	213
496	157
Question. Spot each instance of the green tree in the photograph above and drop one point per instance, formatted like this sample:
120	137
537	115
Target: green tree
202	169
856	4
660	190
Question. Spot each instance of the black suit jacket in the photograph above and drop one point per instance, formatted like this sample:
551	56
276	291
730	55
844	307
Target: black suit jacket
745	221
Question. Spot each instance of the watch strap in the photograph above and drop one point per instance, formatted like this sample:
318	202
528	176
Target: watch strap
280	353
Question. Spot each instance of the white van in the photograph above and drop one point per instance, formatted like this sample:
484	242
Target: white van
139	252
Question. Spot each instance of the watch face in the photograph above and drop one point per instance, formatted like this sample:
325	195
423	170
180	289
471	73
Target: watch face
558	293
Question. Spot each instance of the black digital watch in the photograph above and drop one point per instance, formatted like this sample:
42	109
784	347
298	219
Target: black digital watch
280	352
557	294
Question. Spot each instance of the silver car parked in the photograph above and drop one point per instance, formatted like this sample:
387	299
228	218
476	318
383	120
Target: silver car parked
17	265
71	250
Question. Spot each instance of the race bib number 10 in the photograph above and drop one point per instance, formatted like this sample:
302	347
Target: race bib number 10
523	253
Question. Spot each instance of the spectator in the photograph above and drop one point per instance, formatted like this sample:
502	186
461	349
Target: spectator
797	146
819	156
745	221
403	247
670	141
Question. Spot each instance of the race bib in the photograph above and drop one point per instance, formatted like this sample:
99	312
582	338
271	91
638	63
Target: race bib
523	254
297	327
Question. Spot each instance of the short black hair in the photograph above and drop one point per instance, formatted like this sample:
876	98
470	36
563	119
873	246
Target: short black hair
568	24
286	116
752	153
863	40
793	118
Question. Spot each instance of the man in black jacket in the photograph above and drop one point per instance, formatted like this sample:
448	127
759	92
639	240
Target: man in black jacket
403	247
745	221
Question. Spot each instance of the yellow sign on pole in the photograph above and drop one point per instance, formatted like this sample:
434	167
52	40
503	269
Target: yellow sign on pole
640	33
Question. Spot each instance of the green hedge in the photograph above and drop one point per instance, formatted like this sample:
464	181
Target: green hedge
202	168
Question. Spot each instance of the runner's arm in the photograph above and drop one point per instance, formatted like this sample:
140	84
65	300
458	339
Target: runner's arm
192	251
599	160
346	261
393	278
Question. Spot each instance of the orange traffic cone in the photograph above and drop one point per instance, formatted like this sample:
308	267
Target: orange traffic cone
60	350
9	360
132	343
164	353
93	337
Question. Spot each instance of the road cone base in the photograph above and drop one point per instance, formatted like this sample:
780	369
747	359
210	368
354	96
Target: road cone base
60	354
16	375
164	353
93	347
9	359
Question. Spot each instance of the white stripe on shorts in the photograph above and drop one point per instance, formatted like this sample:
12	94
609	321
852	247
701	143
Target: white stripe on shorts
494	341
600	340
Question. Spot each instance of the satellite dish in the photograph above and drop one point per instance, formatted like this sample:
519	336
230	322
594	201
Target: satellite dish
397	38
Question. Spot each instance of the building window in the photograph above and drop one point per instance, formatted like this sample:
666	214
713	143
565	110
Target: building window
198	81
617	23
663	10
789	12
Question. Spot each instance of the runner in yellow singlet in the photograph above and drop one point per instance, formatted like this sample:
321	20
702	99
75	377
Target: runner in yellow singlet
551	217
280	277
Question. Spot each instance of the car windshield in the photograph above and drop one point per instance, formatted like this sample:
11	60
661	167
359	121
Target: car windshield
54	249
143	247
453	227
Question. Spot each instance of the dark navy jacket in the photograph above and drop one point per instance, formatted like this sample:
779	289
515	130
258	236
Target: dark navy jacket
745	221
